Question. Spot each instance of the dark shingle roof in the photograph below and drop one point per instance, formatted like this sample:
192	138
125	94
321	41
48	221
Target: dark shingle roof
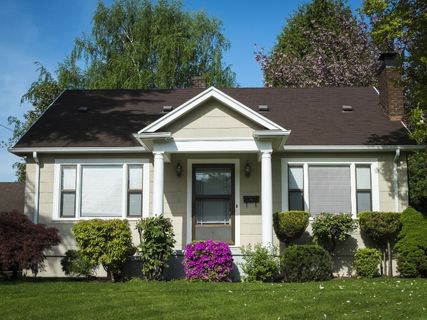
12	196
313	114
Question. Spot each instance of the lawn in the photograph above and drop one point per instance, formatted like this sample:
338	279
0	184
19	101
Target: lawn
337	299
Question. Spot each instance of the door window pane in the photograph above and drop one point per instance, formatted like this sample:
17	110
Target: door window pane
102	191
213	181
209	211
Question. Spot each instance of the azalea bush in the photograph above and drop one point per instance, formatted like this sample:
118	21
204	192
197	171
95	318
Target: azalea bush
208	260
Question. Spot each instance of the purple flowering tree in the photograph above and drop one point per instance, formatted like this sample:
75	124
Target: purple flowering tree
322	45
208	261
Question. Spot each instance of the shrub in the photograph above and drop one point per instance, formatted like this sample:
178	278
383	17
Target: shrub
208	261
260	263
301	263
156	245
290	225
382	228
105	242
330	228
412	244
74	265
366	262
22	243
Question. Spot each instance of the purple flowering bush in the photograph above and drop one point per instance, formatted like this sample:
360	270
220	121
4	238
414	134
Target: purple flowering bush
208	261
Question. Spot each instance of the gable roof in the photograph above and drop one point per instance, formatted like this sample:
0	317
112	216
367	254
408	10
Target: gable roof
12	196
314	115
212	93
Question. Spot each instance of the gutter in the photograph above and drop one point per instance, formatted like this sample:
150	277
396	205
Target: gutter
36	189
396	180
350	148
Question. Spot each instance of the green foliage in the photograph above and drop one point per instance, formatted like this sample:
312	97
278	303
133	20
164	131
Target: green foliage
133	44
74	265
412	244
260	263
105	242
366	262
301	263
156	245
329	228
401	25
417	172
380	226
290	225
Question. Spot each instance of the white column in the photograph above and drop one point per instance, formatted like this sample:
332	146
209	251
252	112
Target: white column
158	183
266	198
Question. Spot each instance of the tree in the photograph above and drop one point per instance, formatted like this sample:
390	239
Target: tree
322	44
134	44
401	25
22	243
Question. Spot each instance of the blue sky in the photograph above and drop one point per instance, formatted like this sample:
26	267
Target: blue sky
44	31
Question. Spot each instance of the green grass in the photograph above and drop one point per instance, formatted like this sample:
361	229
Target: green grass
337	299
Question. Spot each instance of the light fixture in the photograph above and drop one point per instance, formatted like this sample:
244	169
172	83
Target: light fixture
247	169
178	169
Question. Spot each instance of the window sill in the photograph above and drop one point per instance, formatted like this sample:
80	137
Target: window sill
91	218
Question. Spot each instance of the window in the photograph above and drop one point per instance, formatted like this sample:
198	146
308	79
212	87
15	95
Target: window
95	190
329	189
68	191
134	204
330	185
296	188
363	186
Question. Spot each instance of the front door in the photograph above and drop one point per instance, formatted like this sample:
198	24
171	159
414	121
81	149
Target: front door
213	202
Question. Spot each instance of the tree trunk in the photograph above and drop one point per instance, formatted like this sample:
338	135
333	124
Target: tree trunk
385	262
390	259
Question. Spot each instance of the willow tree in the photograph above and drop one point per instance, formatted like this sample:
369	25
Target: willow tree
133	44
321	45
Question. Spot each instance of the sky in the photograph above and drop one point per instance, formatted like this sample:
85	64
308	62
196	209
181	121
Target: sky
44	31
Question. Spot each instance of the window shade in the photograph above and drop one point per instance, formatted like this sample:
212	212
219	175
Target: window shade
102	191
329	189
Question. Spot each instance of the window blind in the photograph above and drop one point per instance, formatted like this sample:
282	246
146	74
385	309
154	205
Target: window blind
329	189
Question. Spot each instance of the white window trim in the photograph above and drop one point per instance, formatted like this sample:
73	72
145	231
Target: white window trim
352	162
82	162
236	163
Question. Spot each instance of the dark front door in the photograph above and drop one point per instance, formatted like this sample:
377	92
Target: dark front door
213	202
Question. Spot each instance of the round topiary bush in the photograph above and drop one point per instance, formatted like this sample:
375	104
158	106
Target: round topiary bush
290	225
366	262
208	261
301	263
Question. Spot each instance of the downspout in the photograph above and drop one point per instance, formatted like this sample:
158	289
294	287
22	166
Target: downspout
36	188
395	180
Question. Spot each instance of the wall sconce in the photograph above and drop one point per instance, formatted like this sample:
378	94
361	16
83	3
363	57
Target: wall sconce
247	169
178	169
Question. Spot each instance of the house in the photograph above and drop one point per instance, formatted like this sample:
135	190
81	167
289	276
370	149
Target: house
218	162
12	196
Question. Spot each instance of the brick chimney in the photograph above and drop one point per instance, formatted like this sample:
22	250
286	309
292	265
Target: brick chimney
391	93
198	82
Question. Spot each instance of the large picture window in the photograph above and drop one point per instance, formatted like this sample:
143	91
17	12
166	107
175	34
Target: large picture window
333	186
92	190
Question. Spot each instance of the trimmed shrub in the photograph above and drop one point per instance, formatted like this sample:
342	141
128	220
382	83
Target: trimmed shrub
301	263
105	242
382	228
208	261
290	225
22	243
412	244
260	263
329	228
74	265
366	262
156	245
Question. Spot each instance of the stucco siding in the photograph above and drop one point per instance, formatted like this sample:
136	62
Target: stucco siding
212	120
